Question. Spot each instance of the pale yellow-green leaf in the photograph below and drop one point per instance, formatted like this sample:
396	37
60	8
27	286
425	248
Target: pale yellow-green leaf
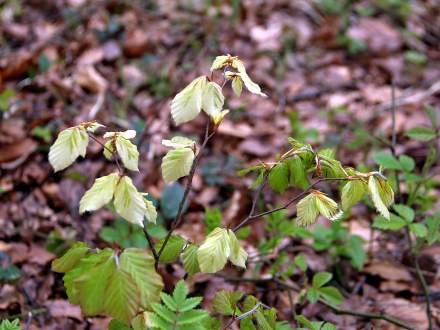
129	134
178	142
177	163
218	117
250	85
128	153
307	210
69	145
151	213
109	149
128	202
382	194
212	99
189	259
99	194
213	254
237	85
186	105
352	193
238	255
220	62
327	207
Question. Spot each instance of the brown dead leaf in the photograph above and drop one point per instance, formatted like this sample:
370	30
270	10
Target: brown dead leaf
20	149
40	255
411	313
62	308
88	78
388	271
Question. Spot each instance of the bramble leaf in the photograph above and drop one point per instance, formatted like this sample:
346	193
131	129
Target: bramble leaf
99	194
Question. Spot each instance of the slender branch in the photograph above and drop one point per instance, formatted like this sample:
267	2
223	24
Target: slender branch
151	245
114	154
252	216
179	216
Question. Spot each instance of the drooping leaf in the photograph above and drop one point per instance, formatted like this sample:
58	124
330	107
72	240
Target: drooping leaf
214	252
128	202
186	105
212	99
238	255
250	85
327	207
69	145
189	258
381	193
279	177
352	193
100	194
237	85
307	210
177	163
151	212
172	248
128	153
109	149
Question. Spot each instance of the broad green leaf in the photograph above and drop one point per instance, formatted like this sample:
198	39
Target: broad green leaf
408	163
421	134
225	302
238	255
128	153
381	194
189	259
393	223
312	295
352	193
177	163
307	210
212	99
214	252
129	203
327	207
237	85
139	264
297	172
186	105
100	194
405	212
69	145
331	294
419	229
172	249
71	258
386	160
178	142
279	177
331	168
321	278
122	296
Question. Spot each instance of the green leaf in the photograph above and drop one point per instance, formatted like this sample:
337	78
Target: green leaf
321	278
355	250
214	252
238	255
69	145
394	223
405	212
190	303
381	194
191	317
388	161
10	325
407	163
189	258
352	193
118	325
129	203
297	172
128	152
301	262
100	194
172	249
419	229
180	292
139	263
169	301
433	223
331	295
71	258
212	99
421	134
225	302
177	163
213	219
237	85
312	295
307	210
327	206
186	105
279	177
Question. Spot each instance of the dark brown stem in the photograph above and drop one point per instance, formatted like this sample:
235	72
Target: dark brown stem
252	216
151	245
179	216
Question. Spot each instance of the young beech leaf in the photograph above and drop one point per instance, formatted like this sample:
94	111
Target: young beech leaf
381	194
352	193
214	252
69	145
189	259
151	212
177	163
238	255
225	302
109	149
129	203
178	142
126	150
71	258
217	117
212	99
307	210
99	194
279	177
297	172
186	105
221	61
327	207
237	85
172	249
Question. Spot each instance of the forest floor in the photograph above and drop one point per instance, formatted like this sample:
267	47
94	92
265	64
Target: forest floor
328	67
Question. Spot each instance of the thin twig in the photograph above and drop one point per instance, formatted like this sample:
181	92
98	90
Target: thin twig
252	216
179	216
113	152
151	245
